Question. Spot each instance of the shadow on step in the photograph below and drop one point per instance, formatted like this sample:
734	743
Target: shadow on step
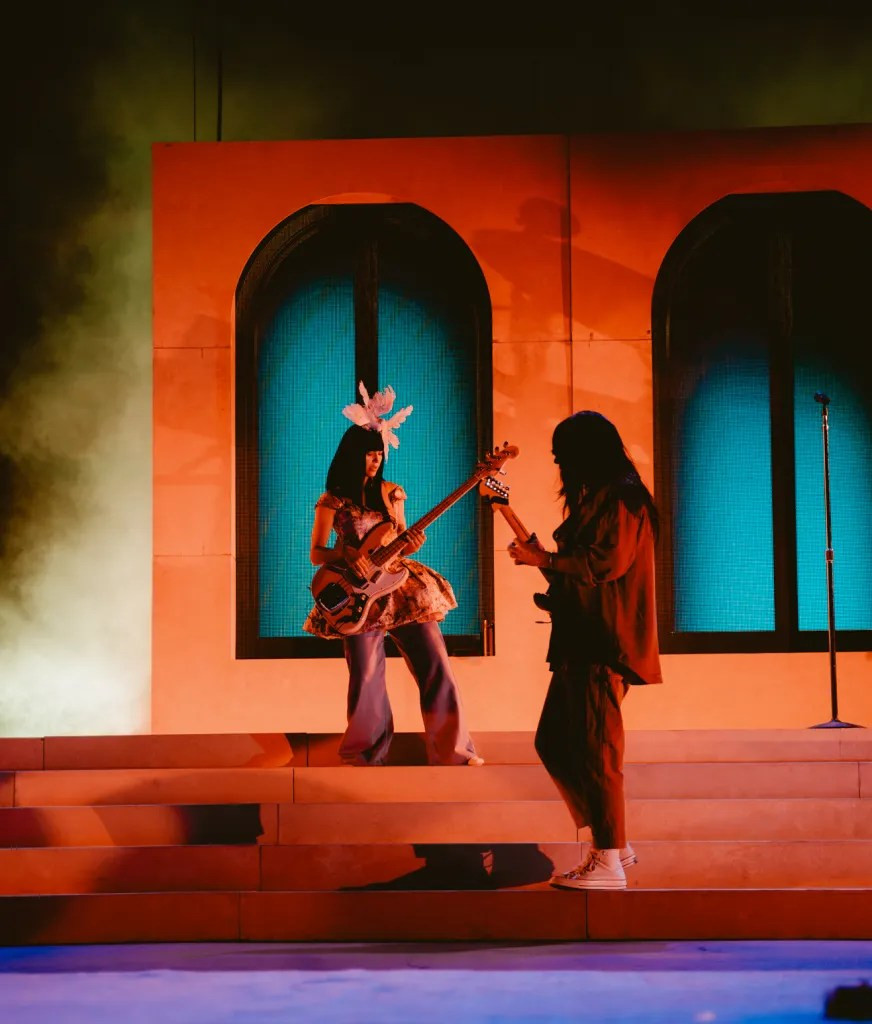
130	834
135	825
470	866
230	824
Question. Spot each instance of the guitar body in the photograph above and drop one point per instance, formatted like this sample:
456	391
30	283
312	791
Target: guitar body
343	598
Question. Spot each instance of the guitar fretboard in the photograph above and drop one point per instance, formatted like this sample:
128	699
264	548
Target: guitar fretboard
520	531
391	550
518	528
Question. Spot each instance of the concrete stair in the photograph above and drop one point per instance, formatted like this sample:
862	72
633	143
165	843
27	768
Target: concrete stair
700	780
174	838
520	821
139	825
279	750
526	915
737	864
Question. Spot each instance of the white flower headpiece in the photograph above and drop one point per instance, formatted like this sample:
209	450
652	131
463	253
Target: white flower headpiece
371	414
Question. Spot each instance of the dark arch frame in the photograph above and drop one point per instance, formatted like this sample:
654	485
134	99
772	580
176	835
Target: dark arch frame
786	637
261	286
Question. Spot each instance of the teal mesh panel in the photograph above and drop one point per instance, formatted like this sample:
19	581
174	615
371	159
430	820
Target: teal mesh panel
426	355
850	446
305	369
722	490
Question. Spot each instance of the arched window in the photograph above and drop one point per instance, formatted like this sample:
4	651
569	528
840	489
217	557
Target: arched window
386	294
762	301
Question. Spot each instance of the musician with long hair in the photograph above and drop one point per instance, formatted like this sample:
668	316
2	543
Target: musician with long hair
603	634
356	500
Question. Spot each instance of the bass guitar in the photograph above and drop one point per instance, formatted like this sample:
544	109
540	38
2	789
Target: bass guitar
345	598
496	493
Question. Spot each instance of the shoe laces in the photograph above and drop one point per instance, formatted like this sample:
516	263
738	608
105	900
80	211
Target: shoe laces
590	863
594	859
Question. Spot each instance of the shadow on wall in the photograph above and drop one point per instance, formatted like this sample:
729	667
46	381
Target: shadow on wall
607	289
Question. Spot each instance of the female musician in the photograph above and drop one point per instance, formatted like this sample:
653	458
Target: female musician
603	634
357	498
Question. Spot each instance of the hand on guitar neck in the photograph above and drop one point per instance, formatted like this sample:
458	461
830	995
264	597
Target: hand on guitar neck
359	562
530	552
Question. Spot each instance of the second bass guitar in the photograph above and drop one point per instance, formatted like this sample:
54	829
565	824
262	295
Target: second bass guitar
496	493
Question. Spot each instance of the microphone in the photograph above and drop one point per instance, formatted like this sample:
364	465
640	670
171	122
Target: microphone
819	396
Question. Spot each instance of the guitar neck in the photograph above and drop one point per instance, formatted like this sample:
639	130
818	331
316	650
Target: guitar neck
391	550
518	528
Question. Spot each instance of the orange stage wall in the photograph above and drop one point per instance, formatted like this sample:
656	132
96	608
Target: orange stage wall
570	234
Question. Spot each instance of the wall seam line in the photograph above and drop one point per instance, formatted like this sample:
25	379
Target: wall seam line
568	163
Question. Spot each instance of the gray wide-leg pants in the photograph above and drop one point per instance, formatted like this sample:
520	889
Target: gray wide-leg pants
370	721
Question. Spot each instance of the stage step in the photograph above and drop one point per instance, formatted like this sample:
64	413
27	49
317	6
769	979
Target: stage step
156	824
84	869
542	914
779	819
713	864
721	780
661	865
231	750
728	780
139	825
279	750
549	821
154	786
519	821
643	745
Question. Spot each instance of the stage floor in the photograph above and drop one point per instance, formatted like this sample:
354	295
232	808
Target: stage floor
422	983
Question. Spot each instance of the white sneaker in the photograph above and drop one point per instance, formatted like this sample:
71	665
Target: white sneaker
595	873
628	856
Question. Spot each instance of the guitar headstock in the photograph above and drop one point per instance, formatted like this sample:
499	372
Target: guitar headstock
494	491
492	462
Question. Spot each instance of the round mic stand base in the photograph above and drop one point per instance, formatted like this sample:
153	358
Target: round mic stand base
835	723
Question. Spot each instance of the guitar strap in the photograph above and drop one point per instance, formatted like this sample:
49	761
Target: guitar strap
386	496
387	489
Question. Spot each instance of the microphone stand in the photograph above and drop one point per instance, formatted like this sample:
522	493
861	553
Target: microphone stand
834	722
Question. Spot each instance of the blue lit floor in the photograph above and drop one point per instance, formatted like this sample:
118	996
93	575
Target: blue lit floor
418	984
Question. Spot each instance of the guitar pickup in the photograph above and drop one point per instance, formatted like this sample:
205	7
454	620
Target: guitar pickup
333	597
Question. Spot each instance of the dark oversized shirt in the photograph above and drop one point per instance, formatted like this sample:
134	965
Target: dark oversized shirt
602	595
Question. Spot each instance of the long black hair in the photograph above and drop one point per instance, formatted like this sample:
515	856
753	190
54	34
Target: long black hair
348	468
591	455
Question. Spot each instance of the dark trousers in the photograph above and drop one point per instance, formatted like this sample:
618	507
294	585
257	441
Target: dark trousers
580	740
370	720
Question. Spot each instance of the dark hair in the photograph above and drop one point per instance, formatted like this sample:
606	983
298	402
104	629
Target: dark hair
591	455
348	468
